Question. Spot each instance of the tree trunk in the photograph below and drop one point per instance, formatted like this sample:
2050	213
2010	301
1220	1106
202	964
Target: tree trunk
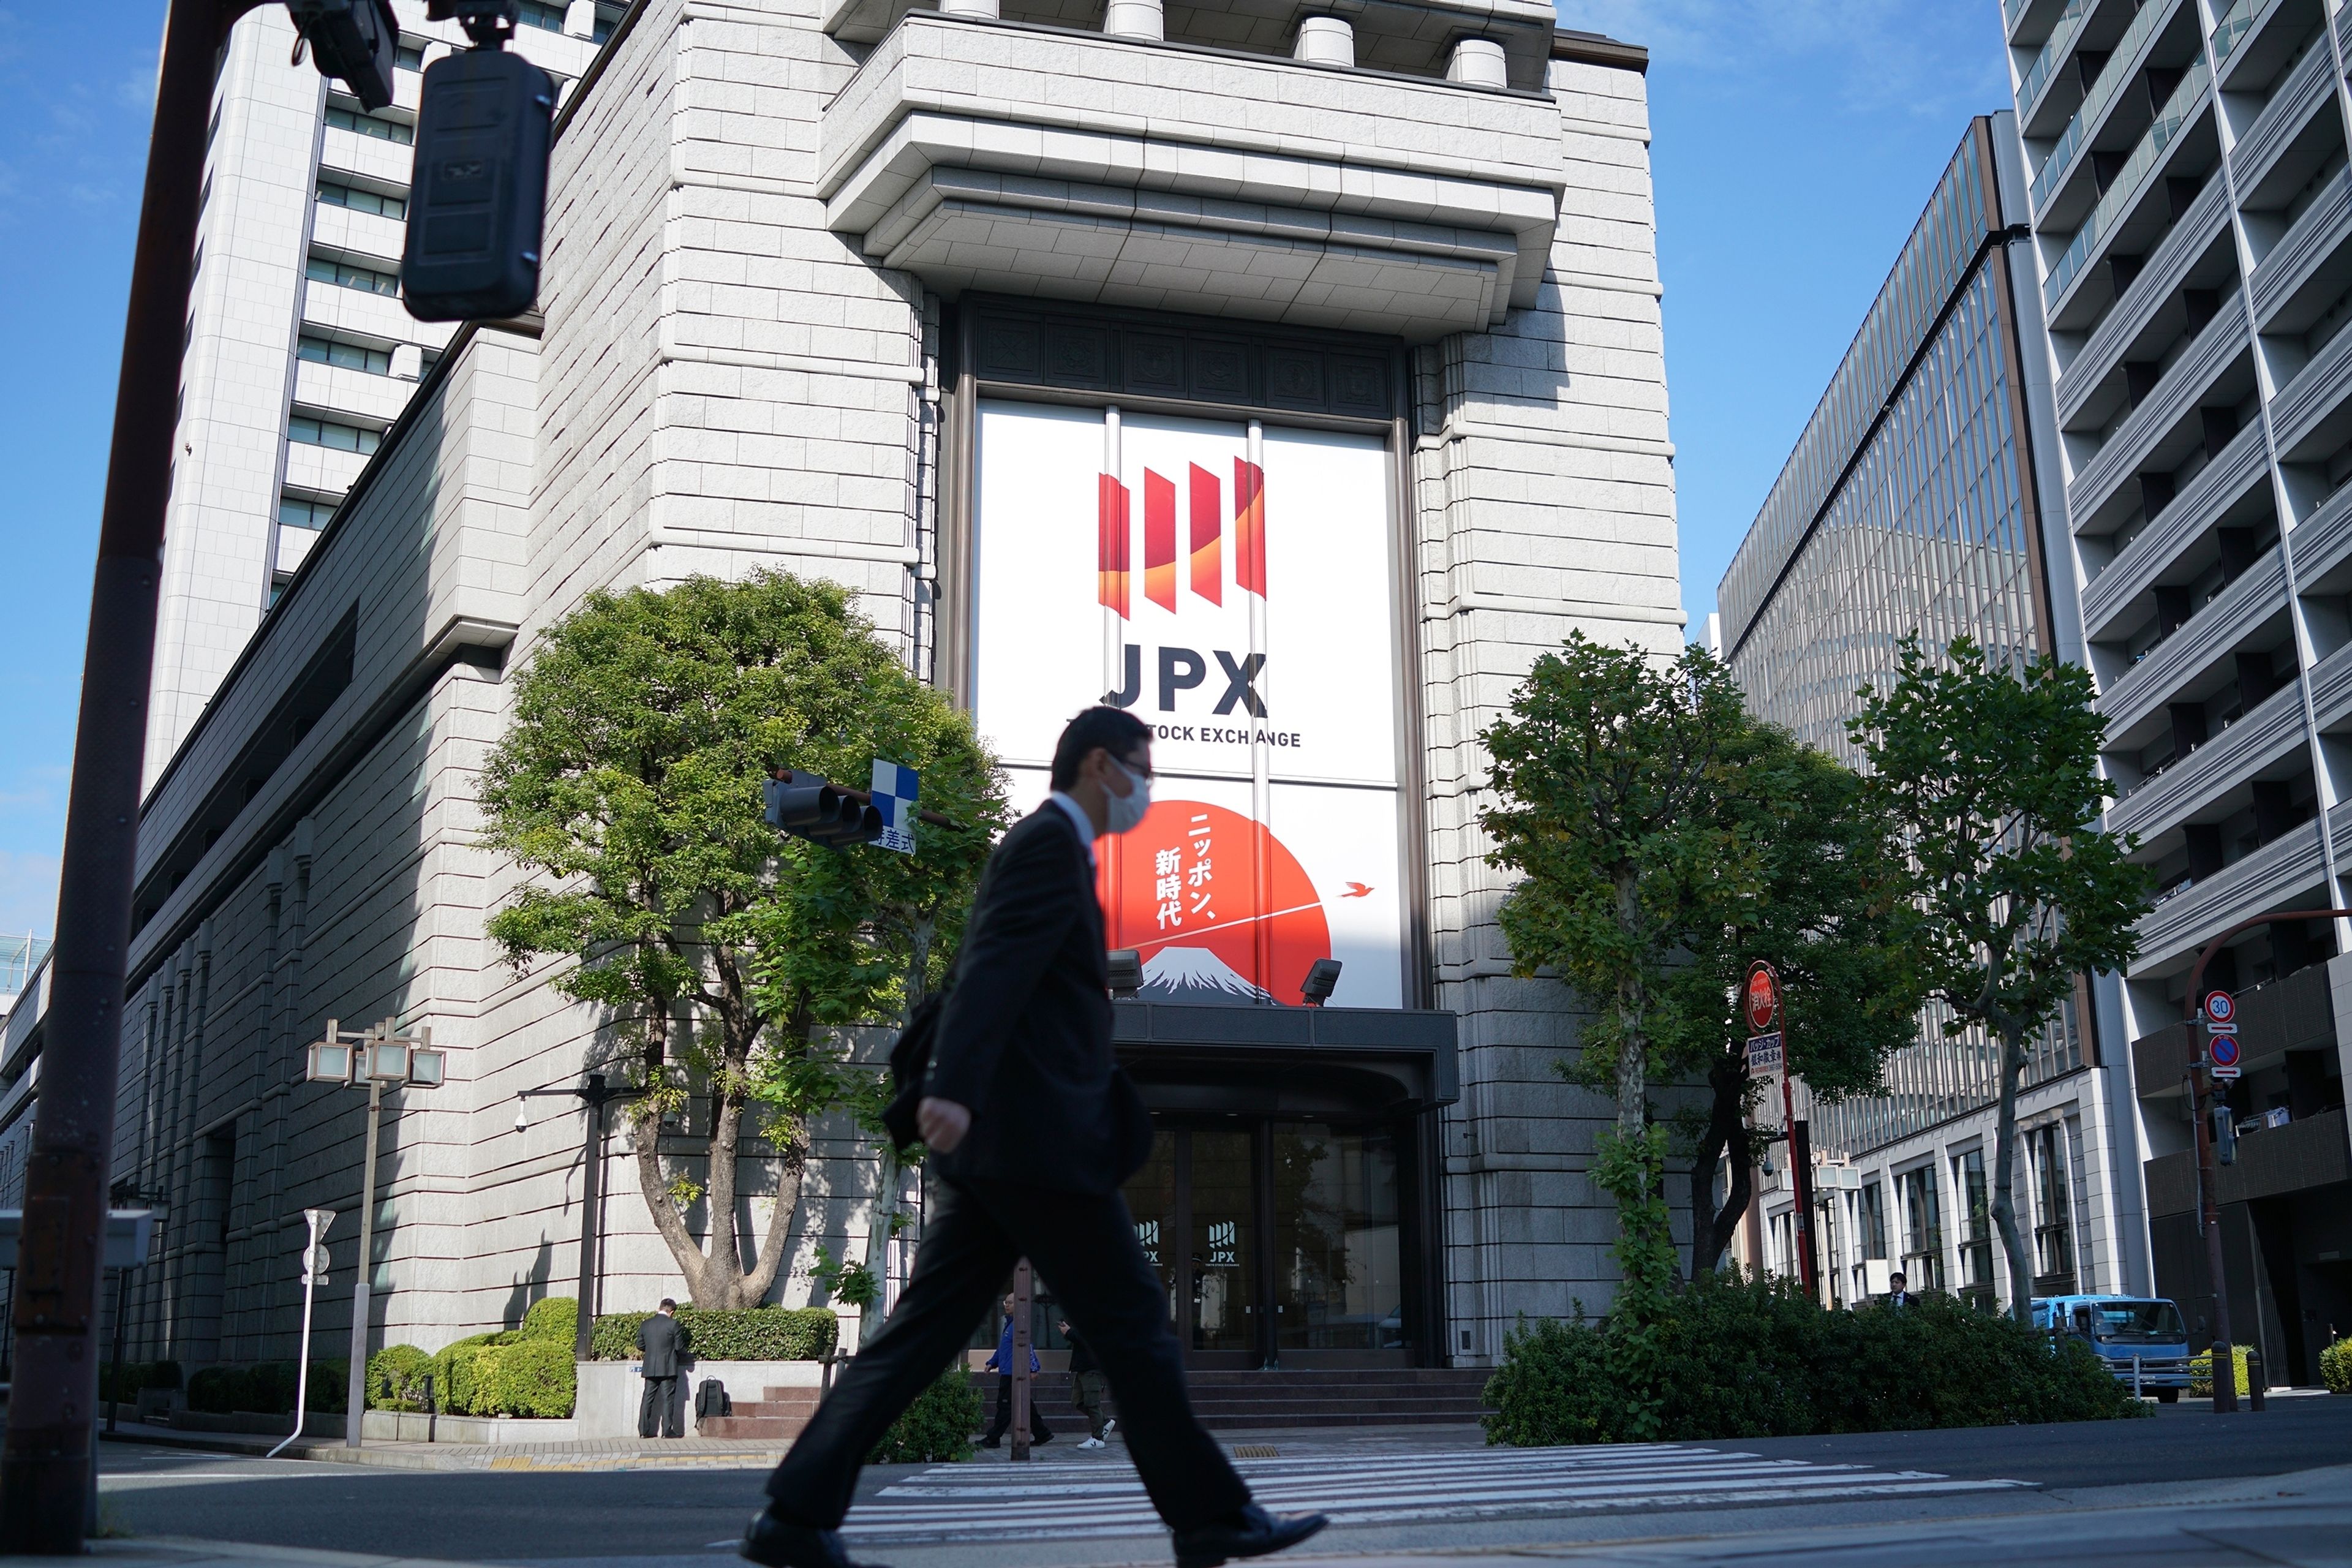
791	1161
1632	1052
646	1128
1727	1131
2004	1177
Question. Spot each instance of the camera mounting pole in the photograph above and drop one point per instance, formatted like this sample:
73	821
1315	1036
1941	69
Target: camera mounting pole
489	22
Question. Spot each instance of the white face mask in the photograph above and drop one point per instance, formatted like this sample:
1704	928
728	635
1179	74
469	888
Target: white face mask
1123	812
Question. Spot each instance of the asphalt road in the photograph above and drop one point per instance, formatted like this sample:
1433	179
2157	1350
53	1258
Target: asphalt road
668	1516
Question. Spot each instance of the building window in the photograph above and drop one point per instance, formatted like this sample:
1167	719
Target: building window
607	18
1923	1229
545	14
346	356
2053	1227
1870	1236
1976	1230
343	275
341	437
301	511
408	57
358	123
362	201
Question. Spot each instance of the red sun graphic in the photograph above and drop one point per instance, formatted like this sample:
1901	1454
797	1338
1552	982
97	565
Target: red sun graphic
1214	902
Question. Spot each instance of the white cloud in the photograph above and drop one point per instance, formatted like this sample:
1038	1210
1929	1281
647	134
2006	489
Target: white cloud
1875	54
28	893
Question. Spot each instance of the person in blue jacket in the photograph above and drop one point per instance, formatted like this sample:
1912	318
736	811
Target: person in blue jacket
1001	1361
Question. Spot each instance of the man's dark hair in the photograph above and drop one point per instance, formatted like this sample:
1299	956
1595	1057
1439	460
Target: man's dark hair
1115	729
1897	1277
668	1305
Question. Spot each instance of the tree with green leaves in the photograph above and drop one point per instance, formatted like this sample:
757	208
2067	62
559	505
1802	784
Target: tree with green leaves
1994	774
1612	766
1830	912
725	960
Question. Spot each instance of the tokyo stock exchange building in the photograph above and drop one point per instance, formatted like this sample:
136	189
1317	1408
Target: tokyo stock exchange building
1290	375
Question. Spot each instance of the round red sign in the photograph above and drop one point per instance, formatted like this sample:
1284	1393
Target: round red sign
1763	998
2225	1050
2219	1007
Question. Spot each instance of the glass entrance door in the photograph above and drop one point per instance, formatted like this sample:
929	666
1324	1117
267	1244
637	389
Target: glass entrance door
1276	1240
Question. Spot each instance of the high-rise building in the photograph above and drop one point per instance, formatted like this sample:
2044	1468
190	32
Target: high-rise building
2192	211
299	354
970	313
1923	500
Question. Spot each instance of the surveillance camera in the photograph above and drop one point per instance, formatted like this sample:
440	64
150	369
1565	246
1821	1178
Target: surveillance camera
521	1122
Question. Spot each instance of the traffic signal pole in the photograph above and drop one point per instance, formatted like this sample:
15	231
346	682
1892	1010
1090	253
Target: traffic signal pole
48	1457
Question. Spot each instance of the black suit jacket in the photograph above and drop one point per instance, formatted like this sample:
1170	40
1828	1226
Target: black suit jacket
1024	1039
657	1338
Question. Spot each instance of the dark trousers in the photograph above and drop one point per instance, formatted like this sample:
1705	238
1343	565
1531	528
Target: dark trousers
1086	1394
659	1407
1086	1249
1038	1431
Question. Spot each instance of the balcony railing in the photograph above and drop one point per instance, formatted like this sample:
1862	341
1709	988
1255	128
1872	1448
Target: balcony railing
2170	120
2235	23
2054	52
2094	102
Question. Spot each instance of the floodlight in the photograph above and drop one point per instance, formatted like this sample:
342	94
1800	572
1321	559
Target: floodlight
387	1061
330	1062
1322	979
1126	966
424	1068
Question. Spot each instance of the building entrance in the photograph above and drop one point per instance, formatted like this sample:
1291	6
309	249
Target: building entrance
1279	1242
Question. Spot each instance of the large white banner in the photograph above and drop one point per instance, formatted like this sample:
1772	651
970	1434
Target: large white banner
1231	585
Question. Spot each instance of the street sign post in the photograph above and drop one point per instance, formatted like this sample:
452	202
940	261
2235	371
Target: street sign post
314	1269
1764	1053
1759	1001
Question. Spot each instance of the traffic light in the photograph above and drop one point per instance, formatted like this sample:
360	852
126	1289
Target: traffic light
353	41
2225	1132
806	806
478	189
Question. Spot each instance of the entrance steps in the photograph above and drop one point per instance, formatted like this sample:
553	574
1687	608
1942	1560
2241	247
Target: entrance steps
1227	1401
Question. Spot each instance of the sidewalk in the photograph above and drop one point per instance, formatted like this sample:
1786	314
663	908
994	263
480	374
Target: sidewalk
737	1454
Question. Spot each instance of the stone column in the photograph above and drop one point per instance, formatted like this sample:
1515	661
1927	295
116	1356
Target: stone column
1477	62
1324	41
1134	19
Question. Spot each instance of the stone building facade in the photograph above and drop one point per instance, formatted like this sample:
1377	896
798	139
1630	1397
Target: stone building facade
796	254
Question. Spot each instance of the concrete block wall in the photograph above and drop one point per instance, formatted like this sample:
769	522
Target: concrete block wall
1547	505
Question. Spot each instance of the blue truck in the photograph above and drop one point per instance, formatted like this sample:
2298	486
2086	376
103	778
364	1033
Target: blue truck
2124	1329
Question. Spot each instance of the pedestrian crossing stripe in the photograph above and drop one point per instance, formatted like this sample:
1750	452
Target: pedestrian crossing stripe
959	1503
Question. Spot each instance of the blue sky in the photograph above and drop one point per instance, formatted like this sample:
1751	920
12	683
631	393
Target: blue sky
1795	142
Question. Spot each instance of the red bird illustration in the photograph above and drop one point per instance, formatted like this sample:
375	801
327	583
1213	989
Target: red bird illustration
1356	890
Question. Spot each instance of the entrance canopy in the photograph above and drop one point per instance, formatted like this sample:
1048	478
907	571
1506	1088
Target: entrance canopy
1287	1061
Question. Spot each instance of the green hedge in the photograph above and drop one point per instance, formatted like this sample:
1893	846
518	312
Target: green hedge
456	1373
2335	1366
2200	1371
1734	1358
268	1388
395	1378
510	1373
124	1383
556	1317
759	1333
938	1426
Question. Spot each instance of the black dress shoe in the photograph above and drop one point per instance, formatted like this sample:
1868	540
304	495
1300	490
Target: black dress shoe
781	1543
1252	1532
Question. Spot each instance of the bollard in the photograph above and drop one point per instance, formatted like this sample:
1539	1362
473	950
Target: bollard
431	1413
2136	1377
2256	1380
2225	1379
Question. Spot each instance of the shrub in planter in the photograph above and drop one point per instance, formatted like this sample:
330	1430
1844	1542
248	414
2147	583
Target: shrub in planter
2335	1366
1733	1358
454	1373
528	1377
2200	1371
395	1378
757	1334
218	1390
938	1426
556	1317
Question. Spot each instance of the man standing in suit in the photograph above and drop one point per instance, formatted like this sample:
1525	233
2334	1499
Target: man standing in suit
1898	1292
657	1339
1035	1127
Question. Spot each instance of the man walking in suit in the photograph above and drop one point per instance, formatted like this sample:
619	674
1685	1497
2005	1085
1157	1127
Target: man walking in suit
1034	1127
657	1339
1002	1365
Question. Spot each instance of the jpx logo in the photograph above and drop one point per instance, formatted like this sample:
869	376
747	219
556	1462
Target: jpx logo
1173	668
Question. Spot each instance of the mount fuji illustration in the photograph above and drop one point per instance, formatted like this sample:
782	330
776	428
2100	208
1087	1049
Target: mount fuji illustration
1196	974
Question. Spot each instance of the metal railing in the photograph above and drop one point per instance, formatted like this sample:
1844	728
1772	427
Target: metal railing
2169	123
2235	23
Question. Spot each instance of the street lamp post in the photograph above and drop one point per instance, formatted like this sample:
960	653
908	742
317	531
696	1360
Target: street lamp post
377	1057
595	1095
